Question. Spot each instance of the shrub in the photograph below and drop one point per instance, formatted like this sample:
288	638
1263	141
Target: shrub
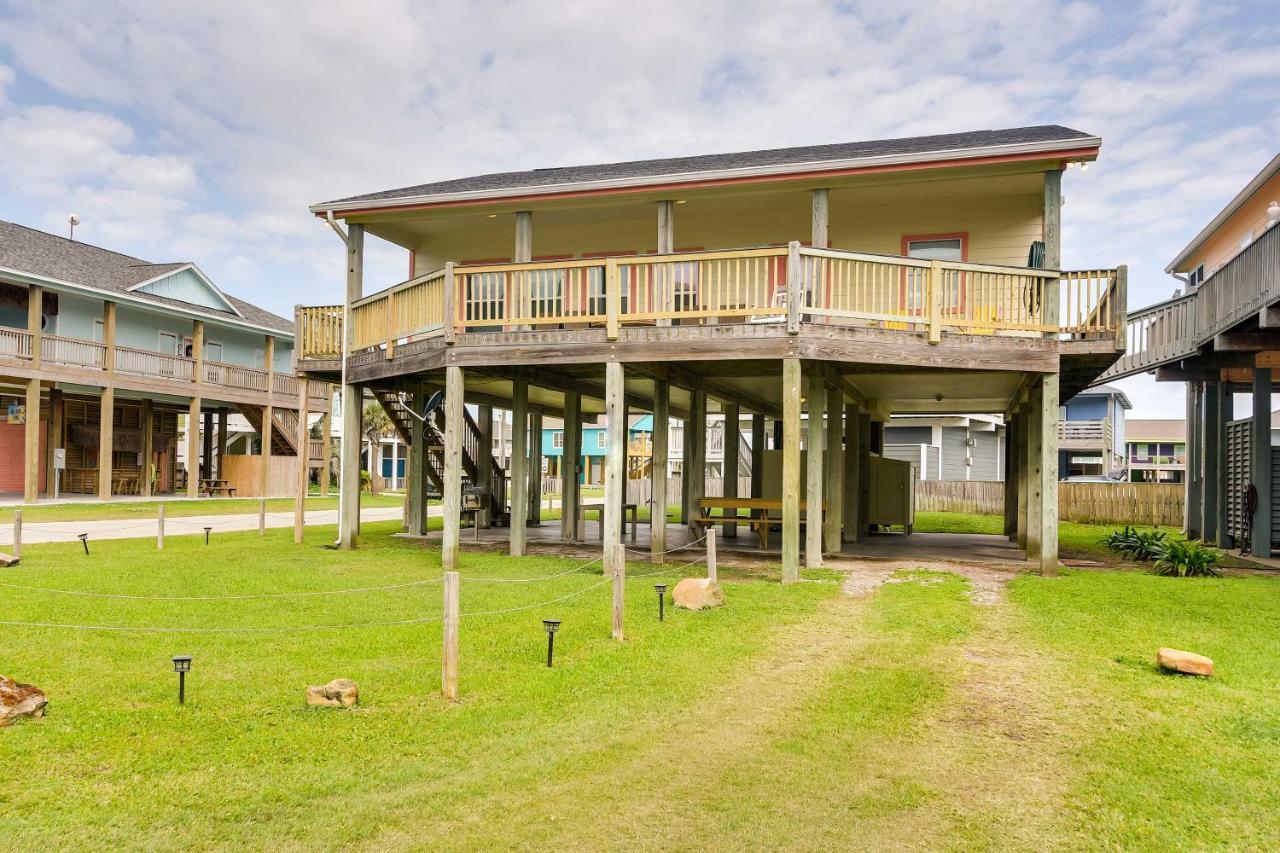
1140	545
366	481
1188	560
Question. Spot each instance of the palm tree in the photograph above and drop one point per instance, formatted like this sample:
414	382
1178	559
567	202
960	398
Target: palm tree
377	425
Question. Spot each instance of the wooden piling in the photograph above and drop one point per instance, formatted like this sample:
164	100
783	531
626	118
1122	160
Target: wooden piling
449	652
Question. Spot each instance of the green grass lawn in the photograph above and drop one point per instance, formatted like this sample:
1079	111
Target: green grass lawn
178	508
794	717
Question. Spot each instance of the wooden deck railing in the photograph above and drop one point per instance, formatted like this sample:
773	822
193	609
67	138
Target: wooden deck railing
1084	435
790	284
1176	328
147	363
73	351
15	343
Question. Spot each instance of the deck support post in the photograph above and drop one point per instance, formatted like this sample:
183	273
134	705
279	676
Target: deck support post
1010	456
31	444
820	218
1193	506
851	466
193	446
206	449
666	246
326	442
221	445
1210	463
106	426
864	470
453	428
519	471
1024	505
415	506
1052	246
571	458
352	402
757	455
148	446
791	381
615	483
1035	505
729	471
658	470
264	477
535	468
349	486
1260	461
695	455
813	491
1048	471
833	471
55	430
484	462
1226	410
304	459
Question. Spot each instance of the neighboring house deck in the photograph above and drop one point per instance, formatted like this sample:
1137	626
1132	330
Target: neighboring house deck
109	358
1220	335
901	276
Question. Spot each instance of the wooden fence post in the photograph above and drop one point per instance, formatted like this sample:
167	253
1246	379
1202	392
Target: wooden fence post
619	588
160	527
712	573
449	657
262	516
17	533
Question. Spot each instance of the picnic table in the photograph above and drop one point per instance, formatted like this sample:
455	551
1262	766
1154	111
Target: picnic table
765	514
598	507
211	486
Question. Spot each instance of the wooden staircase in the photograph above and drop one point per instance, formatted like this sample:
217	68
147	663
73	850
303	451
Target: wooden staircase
474	454
284	428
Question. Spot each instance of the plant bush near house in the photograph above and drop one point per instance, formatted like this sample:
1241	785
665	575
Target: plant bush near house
1140	545
1188	560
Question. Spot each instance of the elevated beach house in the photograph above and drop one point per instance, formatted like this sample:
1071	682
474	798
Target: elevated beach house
1219	335
819	290
101	354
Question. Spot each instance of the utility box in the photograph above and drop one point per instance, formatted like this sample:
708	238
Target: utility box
891	493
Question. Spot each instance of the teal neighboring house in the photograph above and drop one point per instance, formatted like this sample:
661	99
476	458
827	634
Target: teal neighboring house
594	442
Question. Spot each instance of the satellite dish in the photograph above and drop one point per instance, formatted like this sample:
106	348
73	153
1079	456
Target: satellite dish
73	220
433	403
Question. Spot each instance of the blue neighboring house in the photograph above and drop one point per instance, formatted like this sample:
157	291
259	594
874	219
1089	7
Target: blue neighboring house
1091	440
594	442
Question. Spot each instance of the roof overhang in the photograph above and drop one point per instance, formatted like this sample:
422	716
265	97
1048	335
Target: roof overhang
1077	148
126	297
1268	171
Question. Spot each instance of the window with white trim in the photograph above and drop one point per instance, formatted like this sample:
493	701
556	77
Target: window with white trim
557	440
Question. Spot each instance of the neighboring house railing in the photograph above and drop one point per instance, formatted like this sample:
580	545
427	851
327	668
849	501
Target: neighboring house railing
788	285
1084	435
74	352
1176	328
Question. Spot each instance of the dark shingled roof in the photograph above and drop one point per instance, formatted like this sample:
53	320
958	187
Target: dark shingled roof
810	154
50	256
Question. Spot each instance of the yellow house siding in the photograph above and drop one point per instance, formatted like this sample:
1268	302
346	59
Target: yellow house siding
1002	216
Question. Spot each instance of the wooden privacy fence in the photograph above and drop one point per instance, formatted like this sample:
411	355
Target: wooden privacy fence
1156	504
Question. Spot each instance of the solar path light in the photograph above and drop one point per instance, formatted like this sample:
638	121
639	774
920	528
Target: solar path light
551	626
84	540
182	665
662	599
206	535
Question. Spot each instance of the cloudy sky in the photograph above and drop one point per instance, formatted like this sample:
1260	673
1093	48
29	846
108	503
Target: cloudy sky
203	130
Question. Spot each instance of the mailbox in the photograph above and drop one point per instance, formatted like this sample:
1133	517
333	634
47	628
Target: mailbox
474	498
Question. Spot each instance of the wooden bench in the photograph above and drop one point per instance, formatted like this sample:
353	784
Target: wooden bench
209	487
766	515
627	509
